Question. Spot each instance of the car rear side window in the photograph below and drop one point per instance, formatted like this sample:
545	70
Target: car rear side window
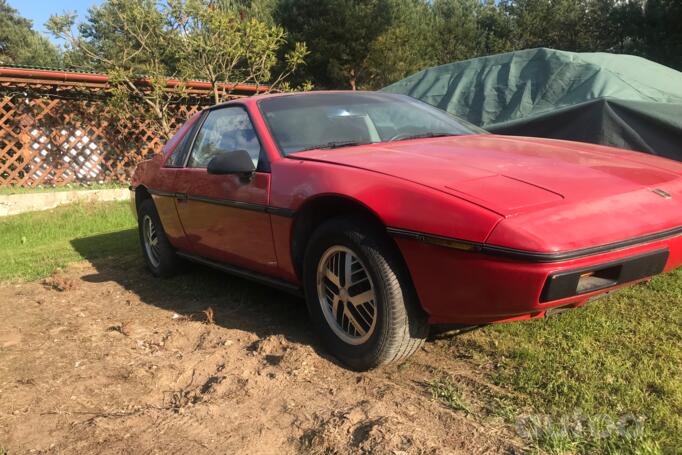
224	130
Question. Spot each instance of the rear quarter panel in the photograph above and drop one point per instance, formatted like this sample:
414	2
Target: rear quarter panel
161	185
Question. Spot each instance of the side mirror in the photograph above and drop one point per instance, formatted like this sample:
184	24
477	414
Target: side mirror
234	162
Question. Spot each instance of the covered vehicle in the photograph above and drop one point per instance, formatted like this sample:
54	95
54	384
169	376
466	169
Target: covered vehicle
390	215
618	100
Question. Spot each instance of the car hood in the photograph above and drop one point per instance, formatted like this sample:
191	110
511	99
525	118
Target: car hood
510	175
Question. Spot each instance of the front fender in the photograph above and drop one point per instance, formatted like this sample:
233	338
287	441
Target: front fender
398	203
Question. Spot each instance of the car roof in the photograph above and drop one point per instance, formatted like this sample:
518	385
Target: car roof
257	98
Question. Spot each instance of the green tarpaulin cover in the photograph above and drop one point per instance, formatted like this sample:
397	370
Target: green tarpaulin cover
617	100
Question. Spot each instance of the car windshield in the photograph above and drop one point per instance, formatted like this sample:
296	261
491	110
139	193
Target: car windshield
331	120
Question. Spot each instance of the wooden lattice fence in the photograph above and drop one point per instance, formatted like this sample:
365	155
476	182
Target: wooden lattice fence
54	133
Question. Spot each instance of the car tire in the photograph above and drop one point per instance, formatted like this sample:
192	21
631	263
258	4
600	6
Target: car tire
392	320
158	253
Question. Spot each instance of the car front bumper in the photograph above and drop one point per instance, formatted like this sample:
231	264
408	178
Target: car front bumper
471	287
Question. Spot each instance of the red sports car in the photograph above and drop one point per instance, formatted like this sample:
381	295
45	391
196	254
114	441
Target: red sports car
391	216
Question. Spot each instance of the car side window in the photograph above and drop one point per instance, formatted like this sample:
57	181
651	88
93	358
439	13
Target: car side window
224	130
179	143
177	157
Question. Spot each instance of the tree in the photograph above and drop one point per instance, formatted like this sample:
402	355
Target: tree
339	34
405	47
147	48
662	32
560	24
132	42
20	44
456	26
218	42
495	28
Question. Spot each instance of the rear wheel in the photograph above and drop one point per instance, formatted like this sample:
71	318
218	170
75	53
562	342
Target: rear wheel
157	251
359	295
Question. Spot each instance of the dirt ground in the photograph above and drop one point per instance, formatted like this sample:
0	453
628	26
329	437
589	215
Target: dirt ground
108	359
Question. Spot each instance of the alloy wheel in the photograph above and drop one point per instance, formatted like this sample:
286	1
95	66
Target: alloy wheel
347	295
151	240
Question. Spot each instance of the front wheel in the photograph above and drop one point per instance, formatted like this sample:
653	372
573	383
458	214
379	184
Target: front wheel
359	295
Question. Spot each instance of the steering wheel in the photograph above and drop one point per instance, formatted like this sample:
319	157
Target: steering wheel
399	136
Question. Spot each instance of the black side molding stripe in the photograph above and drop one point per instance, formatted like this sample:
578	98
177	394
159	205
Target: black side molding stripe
161	193
279	211
533	256
243	273
229	203
449	242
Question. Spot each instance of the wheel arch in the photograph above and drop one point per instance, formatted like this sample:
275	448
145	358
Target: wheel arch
318	209
141	195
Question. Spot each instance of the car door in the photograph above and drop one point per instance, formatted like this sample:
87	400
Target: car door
162	183
224	216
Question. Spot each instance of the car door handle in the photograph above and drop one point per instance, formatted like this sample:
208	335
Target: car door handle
181	197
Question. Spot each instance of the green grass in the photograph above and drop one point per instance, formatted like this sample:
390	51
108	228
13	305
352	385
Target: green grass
606	378
33	244
8	190
448	391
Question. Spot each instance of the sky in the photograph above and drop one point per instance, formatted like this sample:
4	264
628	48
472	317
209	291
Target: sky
39	11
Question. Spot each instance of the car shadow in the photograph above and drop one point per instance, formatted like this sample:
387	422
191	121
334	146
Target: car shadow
236	303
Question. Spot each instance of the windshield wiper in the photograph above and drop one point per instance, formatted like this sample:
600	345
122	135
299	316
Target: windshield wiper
333	145
421	136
